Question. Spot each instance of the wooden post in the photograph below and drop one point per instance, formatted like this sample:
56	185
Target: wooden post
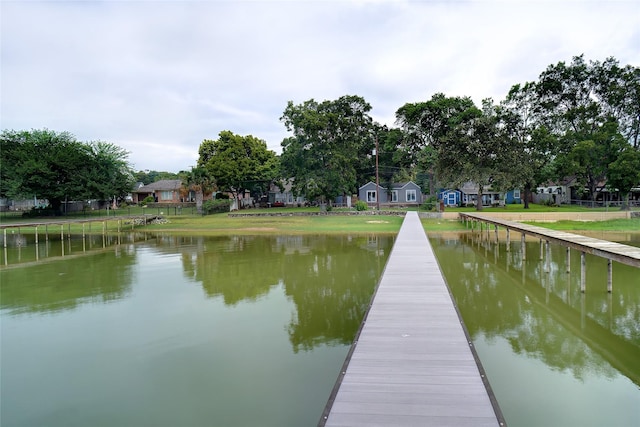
568	259
508	241
524	247
583	272
62	232
609	276
46	233
5	237
36	234
496	231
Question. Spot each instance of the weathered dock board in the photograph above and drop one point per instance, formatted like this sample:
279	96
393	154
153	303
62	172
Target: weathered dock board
618	252
412	363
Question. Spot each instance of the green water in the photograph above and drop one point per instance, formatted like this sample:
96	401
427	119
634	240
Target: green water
138	330
180	331
553	355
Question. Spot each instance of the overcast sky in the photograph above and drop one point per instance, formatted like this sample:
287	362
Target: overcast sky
158	77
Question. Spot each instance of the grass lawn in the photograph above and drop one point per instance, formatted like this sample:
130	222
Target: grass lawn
223	224
535	208
628	225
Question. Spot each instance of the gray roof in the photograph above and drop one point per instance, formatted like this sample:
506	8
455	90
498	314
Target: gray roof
162	185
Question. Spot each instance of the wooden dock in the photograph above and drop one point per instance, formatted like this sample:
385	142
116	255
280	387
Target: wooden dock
412	363
611	251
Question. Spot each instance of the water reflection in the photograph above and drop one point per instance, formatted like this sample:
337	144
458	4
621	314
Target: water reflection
536	307
329	279
233	331
65	284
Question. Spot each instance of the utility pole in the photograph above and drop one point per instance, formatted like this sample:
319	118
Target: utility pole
377	180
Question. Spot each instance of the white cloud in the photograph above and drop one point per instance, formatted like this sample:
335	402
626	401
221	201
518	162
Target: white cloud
158	77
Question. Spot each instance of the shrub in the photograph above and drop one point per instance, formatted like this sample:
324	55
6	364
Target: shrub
430	204
361	205
147	200
216	206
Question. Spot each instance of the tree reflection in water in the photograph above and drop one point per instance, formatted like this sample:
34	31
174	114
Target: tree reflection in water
330	279
543	314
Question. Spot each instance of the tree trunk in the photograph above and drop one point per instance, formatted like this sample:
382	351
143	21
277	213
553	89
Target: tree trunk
479	199
625	203
527	193
199	201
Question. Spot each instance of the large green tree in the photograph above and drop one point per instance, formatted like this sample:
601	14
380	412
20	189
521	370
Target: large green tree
593	108
55	166
624	173
464	143
108	175
533	144
331	142
238	163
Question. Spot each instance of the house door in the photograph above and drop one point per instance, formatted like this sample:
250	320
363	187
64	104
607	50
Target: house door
452	199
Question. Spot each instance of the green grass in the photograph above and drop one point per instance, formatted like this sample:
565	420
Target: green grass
535	208
628	225
223	224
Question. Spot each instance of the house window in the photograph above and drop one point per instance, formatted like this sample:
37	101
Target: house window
371	196
394	195
166	195
411	195
516	194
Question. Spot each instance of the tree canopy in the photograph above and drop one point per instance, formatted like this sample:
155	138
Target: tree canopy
55	166
238	163
331	141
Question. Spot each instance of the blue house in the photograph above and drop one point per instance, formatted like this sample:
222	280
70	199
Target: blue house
467	195
450	197
512	196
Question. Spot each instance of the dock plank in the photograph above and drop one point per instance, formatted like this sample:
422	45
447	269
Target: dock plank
412	363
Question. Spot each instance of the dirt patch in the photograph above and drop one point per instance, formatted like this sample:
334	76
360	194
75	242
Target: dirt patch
257	229
378	222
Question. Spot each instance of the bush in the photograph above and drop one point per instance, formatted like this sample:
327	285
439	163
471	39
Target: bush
147	200
361	205
39	212
430	204
216	206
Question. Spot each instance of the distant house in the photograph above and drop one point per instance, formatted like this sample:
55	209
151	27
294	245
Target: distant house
404	193
513	196
284	196
468	194
450	197
557	192
166	191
